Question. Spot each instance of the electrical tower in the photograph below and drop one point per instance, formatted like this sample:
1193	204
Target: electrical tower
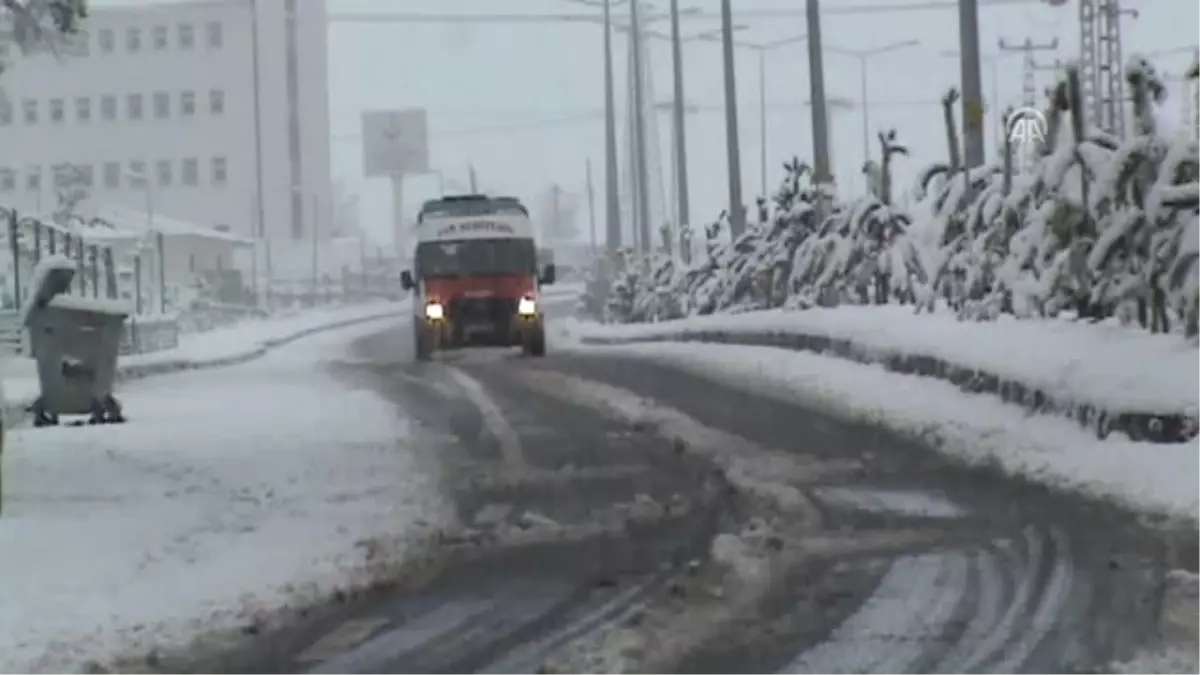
1101	72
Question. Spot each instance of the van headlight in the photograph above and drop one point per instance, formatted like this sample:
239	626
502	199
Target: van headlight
434	311
526	307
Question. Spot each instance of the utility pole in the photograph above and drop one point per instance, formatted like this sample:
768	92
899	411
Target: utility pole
555	214
972	85
1029	93
820	107
679	131
612	200
1029	66
737	211
642	177
591	197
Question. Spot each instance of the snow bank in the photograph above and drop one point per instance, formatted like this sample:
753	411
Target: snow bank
1101	366
978	429
232	493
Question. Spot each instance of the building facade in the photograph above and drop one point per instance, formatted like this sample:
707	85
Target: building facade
209	111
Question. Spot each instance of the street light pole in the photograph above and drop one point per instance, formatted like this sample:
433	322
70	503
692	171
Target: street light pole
866	109
639	132
863	56
680	134
972	88
612	200
820	109
737	214
762	117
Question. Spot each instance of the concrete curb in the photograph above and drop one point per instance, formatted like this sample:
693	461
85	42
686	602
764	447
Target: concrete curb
15	413
1172	427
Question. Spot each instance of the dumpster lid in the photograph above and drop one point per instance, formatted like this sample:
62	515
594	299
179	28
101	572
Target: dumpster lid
98	305
44	268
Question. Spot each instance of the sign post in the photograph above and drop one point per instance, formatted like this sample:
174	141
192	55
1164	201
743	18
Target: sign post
396	145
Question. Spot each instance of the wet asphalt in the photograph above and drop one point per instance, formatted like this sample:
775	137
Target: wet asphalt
935	567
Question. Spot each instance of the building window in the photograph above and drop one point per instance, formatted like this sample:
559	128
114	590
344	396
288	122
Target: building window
6	113
112	175
162	104
137	174
187	103
58	112
107	40
163	170
33	179
187	36
134	104
213	32
30	107
220	171
133	39
83	109
191	171
216	102
161	37
8	180
86	174
108	107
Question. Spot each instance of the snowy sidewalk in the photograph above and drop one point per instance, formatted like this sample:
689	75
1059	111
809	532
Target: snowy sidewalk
222	346
1107	377
232	492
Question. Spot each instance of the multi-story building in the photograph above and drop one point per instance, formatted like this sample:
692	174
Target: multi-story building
207	111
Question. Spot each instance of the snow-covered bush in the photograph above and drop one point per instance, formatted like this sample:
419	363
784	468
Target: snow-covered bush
1098	228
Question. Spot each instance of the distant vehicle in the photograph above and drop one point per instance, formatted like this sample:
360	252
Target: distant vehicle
475	277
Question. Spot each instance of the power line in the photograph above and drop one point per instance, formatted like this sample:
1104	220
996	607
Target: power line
585	117
847	9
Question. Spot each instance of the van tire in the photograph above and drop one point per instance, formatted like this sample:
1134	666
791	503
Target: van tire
422	343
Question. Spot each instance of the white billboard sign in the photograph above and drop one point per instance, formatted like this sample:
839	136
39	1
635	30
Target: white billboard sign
395	142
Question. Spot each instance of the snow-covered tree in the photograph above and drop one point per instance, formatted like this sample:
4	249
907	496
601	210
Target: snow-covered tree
33	25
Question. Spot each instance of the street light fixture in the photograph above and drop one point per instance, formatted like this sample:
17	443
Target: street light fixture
863	55
762	48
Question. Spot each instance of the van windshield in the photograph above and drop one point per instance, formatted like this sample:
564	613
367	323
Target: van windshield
476	257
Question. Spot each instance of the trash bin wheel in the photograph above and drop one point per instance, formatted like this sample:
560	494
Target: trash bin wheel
106	411
422	342
41	416
112	410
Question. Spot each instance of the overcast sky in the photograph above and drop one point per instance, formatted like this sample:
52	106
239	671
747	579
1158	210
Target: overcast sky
522	103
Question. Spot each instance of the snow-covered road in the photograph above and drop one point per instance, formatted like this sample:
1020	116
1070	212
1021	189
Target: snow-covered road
230	492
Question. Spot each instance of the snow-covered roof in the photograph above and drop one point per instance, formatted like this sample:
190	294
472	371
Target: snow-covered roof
138	222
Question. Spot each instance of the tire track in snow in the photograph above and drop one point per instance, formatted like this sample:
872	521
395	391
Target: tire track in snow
986	609
910	607
493	417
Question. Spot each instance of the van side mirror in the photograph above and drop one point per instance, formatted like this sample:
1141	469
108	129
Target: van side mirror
406	281
547	276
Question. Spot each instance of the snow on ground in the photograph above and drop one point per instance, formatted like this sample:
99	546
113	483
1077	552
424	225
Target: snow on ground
230	491
977	428
1111	366
242	339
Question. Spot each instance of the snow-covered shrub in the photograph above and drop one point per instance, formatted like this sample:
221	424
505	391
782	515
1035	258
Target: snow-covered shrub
1097	228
